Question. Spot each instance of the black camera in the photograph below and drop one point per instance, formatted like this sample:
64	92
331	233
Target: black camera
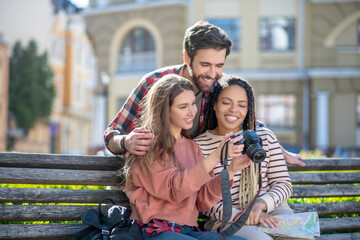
252	145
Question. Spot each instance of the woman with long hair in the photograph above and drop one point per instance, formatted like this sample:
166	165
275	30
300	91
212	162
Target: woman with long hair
232	109
172	182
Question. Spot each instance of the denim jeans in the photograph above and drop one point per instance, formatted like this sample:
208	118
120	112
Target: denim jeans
188	233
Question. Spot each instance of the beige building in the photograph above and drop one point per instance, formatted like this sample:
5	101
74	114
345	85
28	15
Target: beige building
302	57
59	29
4	92
74	68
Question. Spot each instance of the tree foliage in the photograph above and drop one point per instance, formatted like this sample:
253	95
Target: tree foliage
31	89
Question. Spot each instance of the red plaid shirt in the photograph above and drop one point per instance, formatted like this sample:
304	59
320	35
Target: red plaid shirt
125	121
156	226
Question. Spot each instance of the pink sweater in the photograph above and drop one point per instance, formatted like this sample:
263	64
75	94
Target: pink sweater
173	193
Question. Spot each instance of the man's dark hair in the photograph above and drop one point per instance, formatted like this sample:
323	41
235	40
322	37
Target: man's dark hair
203	35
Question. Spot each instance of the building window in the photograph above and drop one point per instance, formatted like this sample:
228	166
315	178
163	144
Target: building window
277	110
101	3
232	29
277	34
137	52
358	32
58	49
358	111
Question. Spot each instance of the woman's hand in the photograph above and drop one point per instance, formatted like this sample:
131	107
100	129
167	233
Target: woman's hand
239	160
233	150
258	216
239	163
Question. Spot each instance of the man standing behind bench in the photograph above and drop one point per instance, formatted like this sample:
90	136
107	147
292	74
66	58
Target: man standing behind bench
206	47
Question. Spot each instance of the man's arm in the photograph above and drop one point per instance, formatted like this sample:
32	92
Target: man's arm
120	136
292	158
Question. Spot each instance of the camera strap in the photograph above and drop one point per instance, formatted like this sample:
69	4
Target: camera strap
227	202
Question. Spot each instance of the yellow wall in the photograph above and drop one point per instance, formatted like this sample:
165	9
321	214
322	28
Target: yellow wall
4	94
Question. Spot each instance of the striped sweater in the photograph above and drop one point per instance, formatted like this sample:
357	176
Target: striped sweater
276	183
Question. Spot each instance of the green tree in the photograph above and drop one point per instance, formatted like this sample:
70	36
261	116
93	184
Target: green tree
31	89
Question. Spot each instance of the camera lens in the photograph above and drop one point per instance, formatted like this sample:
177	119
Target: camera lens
259	156
256	153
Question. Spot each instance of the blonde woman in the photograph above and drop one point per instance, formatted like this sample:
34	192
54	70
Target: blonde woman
172	182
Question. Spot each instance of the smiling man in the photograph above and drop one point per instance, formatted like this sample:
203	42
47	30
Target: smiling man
205	50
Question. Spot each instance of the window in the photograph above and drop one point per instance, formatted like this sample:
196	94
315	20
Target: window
101	3
232	29
137	52
78	52
59	48
277	111
277	34
358	32
358	111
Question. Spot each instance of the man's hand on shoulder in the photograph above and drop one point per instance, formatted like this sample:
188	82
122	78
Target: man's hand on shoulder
138	141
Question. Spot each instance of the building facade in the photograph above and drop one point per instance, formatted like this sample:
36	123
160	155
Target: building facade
58	28
132	38
74	68
4	92
301	56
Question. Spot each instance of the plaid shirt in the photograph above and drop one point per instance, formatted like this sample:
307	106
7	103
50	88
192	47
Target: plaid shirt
157	226
125	121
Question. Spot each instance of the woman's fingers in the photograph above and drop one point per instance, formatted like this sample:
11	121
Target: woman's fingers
268	221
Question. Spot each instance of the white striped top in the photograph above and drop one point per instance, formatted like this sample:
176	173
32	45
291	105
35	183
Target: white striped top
276	183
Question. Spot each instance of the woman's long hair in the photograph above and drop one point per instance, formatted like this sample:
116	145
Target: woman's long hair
155	117
249	175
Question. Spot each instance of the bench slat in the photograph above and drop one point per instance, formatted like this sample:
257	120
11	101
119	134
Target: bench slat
325	178
328	164
42	195
59	176
14	213
339	224
327	208
55	231
326	191
43	212
340	236
60	161
110	178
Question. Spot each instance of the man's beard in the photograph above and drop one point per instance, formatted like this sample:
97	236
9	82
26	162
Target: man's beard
198	82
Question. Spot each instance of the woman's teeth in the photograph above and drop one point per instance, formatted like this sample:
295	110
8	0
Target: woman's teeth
231	118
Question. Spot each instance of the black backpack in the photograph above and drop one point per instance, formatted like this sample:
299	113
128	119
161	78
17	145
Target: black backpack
112	225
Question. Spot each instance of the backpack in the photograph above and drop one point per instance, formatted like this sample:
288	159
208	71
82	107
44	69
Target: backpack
112	225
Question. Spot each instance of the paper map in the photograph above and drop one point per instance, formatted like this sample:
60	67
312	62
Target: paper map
300	225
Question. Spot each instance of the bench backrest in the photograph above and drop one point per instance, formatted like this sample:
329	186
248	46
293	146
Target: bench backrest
48	169
330	177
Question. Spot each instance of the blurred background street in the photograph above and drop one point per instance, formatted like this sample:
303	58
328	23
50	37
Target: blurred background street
67	67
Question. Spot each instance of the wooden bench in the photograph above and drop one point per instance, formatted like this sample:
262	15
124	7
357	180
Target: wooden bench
47	169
